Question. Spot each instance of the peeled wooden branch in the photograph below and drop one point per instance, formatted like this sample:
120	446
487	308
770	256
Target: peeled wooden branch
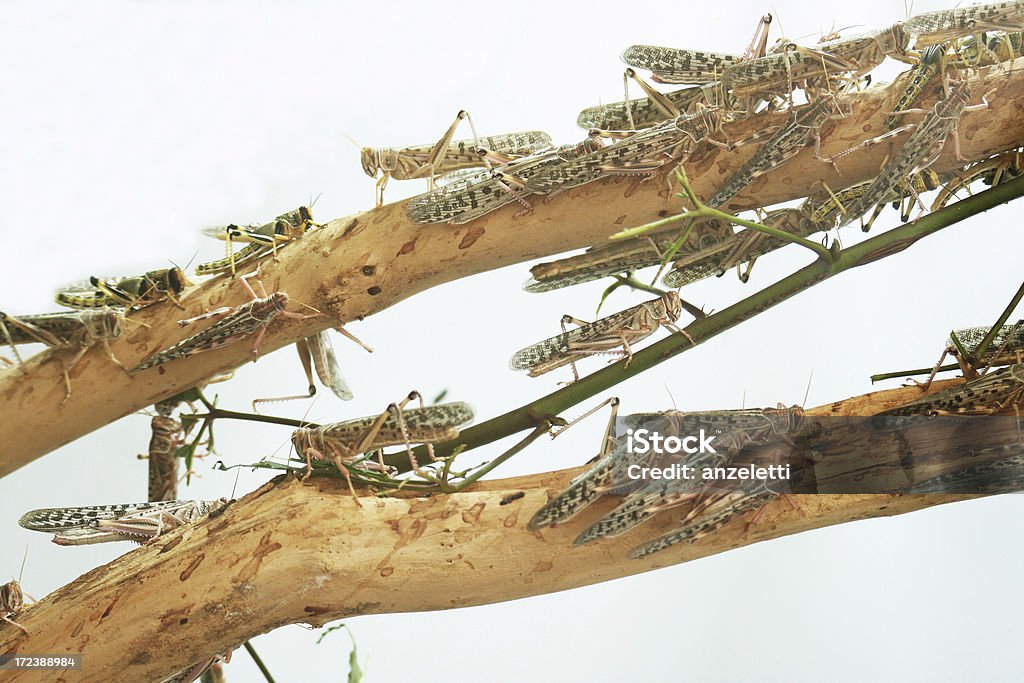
306	553
359	265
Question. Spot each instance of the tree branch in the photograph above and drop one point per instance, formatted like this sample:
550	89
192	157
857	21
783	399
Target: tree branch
295	552
359	265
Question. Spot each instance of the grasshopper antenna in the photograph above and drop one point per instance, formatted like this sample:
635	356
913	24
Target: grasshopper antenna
671	397
350	139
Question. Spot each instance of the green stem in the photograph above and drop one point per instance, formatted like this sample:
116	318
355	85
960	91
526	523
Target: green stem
702	210
908	373
259	662
221	414
539	431
987	341
818	249
630	281
653	226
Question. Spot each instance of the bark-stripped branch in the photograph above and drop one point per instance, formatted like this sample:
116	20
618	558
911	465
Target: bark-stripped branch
362	264
295	552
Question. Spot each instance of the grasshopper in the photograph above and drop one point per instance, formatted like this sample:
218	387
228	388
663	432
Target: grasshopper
736	430
316	353
671	65
467	199
602	336
167	435
940	26
131	292
645	152
254	316
608	475
1006	347
11	602
920	151
139	522
344	443
1000	476
647	111
929	66
263	239
75	332
792	64
719	511
992	171
985	395
780	148
828	211
619	257
428	161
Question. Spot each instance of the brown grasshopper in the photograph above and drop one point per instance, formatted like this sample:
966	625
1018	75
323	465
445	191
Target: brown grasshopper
602	336
986	395
429	161
621	256
920	151
11	602
236	323
316	353
804	124
167	435
138	522
791	64
940	26
344	443
672	65
467	199
73	332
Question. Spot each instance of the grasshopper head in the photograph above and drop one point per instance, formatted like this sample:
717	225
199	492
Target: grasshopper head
103	323
176	280
893	40
279	300
368	158
11	598
673	306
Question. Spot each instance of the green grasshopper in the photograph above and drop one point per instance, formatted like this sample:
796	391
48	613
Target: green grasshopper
131	292
263	239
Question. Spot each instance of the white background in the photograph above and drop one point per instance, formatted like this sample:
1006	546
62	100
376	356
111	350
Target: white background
128	126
